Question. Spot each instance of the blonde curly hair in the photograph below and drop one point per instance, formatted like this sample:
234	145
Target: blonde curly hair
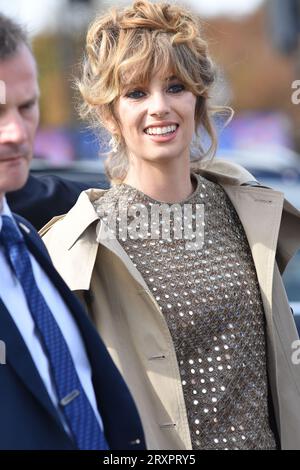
131	44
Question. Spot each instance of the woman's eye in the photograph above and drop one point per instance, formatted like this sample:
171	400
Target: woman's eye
135	94
176	88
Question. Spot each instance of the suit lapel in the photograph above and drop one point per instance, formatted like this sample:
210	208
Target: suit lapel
101	363
19	358
18	355
108	384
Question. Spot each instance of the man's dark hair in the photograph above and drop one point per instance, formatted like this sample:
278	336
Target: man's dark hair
12	35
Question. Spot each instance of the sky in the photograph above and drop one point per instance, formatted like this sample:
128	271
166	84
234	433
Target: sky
38	15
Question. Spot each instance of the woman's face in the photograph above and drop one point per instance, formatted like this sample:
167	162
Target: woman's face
157	121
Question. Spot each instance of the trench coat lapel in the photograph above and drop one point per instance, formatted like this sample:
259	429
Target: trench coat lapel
260	211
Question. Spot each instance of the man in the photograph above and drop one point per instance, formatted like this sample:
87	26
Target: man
59	387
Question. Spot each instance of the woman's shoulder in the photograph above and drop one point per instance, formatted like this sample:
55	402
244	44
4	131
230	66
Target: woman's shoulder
72	243
64	229
223	171
45	229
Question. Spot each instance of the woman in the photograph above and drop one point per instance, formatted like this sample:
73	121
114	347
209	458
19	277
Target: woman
191	308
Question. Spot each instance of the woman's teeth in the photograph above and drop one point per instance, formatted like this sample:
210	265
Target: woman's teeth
161	130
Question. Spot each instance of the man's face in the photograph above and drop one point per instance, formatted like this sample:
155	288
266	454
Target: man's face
19	118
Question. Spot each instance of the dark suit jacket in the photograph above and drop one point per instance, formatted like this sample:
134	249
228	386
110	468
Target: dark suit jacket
28	419
45	197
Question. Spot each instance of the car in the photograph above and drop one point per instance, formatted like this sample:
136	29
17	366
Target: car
274	166
86	171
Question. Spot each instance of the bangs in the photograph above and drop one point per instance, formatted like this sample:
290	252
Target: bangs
155	54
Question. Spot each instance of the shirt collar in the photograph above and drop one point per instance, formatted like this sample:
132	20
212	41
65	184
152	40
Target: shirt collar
5	210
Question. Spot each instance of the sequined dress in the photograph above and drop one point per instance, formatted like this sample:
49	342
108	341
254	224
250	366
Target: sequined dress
211	301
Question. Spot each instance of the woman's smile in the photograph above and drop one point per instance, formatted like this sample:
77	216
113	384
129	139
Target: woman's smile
162	133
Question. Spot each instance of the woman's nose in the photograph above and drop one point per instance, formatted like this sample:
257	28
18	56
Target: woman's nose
158	105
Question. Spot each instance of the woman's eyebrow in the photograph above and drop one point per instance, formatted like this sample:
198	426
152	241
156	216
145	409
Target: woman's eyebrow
171	78
131	84
139	83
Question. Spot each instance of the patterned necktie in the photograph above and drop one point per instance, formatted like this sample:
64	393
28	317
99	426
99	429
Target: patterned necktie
73	401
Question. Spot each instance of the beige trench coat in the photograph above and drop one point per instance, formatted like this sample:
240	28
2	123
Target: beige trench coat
133	328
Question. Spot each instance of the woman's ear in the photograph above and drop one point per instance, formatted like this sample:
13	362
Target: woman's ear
111	125
110	119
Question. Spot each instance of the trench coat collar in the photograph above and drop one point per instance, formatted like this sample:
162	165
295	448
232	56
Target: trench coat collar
252	203
83	214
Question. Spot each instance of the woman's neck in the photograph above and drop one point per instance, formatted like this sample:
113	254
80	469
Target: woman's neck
168	184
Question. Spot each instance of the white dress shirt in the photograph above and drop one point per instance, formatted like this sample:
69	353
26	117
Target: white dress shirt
14	299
